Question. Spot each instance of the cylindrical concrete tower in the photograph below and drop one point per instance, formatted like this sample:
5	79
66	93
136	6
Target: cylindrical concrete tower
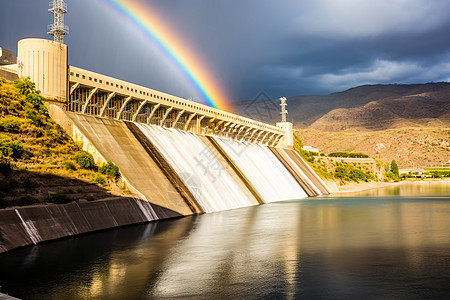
45	62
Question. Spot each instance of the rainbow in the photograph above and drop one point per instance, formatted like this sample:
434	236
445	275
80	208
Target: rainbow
174	49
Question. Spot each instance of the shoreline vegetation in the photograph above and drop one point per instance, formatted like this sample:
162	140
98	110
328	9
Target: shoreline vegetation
335	167
344	169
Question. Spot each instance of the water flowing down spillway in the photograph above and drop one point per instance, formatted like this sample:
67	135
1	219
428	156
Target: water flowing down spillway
209	181
264	171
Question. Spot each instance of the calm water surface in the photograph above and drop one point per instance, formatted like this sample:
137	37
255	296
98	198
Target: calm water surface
382	244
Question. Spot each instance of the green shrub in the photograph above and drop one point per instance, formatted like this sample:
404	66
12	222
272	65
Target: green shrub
98	178
386	166
25	85
10	124
37	102
59	197
3	202
110	169
353	172
307	155
392	176
69	165
85	160
34	117
341	173
323	171
25	200
439	173
407	175
297	141
9	147
358	175
348	154
5	167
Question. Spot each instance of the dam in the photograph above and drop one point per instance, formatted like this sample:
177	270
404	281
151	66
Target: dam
180	157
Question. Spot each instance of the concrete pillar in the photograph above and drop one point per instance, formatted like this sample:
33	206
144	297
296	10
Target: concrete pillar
45	62
288	140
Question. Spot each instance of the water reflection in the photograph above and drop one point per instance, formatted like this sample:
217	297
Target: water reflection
334	247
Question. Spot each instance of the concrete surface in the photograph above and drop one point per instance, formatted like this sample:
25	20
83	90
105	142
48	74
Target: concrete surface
7	297
114	141
308	171
40	223
296	172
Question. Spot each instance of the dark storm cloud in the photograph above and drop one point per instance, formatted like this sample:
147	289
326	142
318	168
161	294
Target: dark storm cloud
292	47
284	47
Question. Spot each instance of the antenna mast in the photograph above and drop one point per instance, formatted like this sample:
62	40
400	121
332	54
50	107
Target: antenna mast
283	112
58	29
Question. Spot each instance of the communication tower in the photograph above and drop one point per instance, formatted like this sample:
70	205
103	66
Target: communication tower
283	112
58	29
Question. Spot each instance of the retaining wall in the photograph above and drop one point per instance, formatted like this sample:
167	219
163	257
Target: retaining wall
30	225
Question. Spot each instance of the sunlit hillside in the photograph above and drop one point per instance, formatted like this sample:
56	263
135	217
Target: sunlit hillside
39	162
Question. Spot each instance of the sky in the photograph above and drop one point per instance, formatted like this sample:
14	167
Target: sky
279	47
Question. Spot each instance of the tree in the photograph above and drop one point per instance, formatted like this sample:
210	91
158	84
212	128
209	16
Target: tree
394	168
25	86
386	167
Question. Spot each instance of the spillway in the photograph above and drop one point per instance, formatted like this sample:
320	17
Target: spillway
114	141
263	170
308	172
304	174
210	180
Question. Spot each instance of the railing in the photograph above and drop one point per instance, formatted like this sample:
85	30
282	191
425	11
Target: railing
103	96
58	28
58	5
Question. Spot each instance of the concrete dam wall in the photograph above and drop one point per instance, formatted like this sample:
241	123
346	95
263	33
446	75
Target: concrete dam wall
191	174
35	224
175	173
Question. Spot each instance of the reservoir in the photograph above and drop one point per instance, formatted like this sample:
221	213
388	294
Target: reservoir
386	243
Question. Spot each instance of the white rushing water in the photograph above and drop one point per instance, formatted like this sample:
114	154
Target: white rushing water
198	167
33	233
262	168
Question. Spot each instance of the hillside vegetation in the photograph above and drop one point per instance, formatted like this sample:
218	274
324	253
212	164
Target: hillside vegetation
39	162
341	171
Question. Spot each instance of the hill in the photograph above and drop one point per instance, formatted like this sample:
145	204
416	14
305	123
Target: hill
367	107
39	162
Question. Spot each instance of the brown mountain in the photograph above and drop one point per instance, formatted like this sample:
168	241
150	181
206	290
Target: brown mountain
372	107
